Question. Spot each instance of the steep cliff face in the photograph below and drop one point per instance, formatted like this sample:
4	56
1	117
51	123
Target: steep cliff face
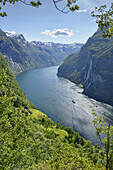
92	67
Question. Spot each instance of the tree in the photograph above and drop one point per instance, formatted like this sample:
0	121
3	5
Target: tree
70	6
107	140
69	130
4	100
104	19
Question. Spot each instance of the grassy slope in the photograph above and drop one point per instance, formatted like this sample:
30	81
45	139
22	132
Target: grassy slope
33	141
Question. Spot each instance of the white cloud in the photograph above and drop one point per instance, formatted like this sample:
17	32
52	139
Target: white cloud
58	33
46	32
82	10
92	4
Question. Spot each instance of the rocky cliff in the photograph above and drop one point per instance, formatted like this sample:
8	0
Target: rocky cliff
92	67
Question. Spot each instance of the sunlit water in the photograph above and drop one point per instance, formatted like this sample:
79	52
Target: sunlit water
54	95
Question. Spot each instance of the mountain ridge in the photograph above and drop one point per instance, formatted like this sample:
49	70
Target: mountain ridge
40	43
22	55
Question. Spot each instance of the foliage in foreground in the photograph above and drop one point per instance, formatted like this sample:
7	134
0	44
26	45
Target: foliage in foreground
30	140
107	141
104	19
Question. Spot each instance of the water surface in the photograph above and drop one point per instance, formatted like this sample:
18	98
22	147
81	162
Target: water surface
62	100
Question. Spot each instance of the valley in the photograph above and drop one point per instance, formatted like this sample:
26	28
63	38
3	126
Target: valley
56	85
54	95
22	55
51	115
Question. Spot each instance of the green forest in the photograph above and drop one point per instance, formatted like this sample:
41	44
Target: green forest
30	140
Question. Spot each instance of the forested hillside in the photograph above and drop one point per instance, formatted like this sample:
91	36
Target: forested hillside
92	68
30	140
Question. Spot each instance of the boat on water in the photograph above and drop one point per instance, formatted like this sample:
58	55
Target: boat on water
73	101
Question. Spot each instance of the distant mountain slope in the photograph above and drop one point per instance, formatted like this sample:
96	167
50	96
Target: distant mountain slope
92	67
22	55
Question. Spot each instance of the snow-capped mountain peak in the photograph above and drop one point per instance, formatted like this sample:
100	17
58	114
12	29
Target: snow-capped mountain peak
59	45
19	37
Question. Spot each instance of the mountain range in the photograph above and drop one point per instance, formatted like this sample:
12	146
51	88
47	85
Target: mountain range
89	65
22	55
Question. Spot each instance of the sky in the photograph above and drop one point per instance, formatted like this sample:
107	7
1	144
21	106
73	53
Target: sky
47	24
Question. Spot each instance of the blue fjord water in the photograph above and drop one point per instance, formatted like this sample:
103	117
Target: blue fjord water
62	100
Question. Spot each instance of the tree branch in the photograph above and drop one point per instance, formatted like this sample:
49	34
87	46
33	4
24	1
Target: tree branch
61	10
24	2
